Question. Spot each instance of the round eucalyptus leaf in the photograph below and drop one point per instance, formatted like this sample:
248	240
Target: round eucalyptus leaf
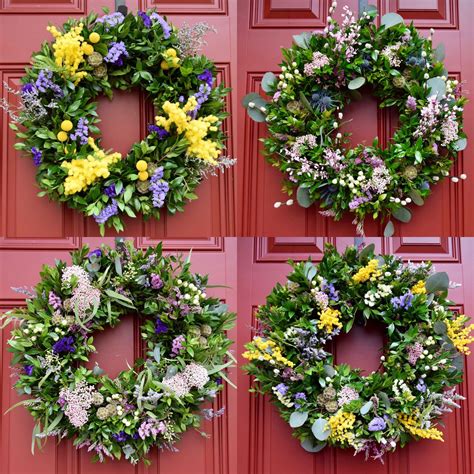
391	19
303	197
298	418
356	83
311	447
321	429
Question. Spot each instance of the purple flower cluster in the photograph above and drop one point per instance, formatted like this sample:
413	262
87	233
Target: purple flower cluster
117	53
164	26
156	281
28	369
177	345
159	188
299	396
106	213
54	300
411	103
402	302
82	132
146	19
206	77
377	424
282	389
421	386
44	83
111	20
95	253
121	436
109	191
28	88
37	155
160	327
358	201
65	344
330	290
160	131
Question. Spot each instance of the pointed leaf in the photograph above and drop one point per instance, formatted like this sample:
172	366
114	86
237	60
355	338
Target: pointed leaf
306	102
416	197
298	418
366	408
389	229
356	83
321	429
402	214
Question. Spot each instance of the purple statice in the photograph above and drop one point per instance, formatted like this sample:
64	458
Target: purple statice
330	290
151	427
421	386
159	188
28	369
146	19
358	201
160	326
156	281
377	424
65	344
54	300
95	253
309	344
429	118
206	77
28	88
82	131
106	213
111	20
61	401
164	25
403	301
299	396
177	345
109	191
282	389
160	131
44	83
37	155
201	96
121	436
117	53
411	103
414	352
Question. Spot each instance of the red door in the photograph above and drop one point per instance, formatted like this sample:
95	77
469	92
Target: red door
24	215
116	347
264	26
267	446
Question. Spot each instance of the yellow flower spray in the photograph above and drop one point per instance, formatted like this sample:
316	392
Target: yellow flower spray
412	425
194	130
419	288
370	271
459	334
83	172
267	350
341	425
329	319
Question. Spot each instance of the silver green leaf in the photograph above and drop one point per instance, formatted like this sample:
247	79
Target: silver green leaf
437	87
402	214
321	430
311	447
460	144
366	408
437	282
356	83
298	418
389	229
268	81
391	19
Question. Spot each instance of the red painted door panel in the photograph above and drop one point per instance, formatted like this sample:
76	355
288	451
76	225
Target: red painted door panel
265	442
264	26
24	215
115	347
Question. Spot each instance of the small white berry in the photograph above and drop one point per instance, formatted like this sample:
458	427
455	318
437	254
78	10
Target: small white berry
335	125
290	202
454	179
277	205
463	176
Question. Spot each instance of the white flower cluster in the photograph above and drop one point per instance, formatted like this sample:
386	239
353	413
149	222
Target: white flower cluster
288	74
194	375
373	295
191	293
401	390
282	398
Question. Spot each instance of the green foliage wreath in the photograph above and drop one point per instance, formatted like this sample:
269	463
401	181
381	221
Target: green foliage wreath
153	403
94	56
329	404
322	73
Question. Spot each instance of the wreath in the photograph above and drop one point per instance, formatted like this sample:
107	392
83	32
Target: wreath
153	403
320	75
328	404
94	56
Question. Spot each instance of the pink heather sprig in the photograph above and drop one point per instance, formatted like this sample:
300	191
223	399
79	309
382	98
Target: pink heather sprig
303	165
346	395
319	60
196	376
414	352
429	118
334	159
151	427
54	300
177	345
177	384
347	36
77	401
450	128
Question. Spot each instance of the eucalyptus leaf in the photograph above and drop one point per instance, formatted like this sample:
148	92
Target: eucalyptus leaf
383	397
311	447
268	81
157	353
309	271
402	214
302	40
366	252
437	282
391	19
303	197
321	429
416	197
356	83
298	418
366	408
256	115
440	328
437	87
439	52
460	144
329	369
252	97
389	229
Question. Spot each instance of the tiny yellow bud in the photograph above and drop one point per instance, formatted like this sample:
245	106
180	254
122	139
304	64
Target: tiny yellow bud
175	62
143	175
142	165
66	125
170	52
87	48
62	136
94	37
164	65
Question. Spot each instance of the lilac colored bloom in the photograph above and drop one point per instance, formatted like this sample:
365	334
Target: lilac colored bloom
201	96
37	155
95	253
106	213
117	53
377	424
28	369
160	131
411	103
111	20
282	388
299	396
414	352
151	427
82	132
121	436
146	19
44	83
177	345
156	281
159	188
28	88
65	344
330	290
402	302
160	327
164	25
421	386
61	401
109	191
54	300
206	76
219	381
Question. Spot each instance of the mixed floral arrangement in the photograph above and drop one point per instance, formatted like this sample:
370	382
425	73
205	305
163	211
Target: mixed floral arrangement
320	74
58	114
153	403
329	404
